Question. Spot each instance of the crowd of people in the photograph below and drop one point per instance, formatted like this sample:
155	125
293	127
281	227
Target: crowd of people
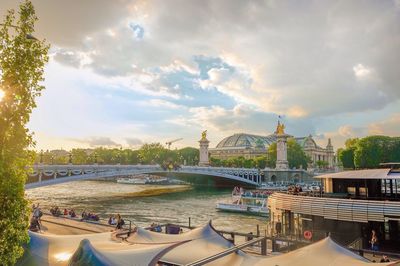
239	191
117	221
295	189
88	216
155	228
55	211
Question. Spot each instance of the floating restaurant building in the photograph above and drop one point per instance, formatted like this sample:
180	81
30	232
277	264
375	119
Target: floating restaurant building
352	204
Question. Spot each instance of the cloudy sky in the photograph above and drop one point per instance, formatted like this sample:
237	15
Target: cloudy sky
128	72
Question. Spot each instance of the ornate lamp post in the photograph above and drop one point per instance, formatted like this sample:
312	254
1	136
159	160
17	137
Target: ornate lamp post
41	157
70	158
52	159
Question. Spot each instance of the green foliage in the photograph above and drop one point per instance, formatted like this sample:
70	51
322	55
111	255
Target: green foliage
322	164
373	150
260	162
21	71
153	153
346	157
296	156
369	152
271	162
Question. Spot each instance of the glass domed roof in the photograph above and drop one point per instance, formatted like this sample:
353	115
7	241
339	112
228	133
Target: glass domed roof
246	140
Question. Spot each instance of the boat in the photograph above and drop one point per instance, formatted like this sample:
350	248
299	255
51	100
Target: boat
134	181
249	202
147	180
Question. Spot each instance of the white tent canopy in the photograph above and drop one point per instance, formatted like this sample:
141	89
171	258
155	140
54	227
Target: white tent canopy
147	248
325	252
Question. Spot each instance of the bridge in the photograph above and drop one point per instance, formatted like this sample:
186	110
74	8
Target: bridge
45	175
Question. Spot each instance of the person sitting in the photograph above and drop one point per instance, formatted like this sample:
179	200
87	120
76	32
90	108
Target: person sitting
34	225
95	217
110	220
158	228
72	213
120	222
152	227
65	212
84	215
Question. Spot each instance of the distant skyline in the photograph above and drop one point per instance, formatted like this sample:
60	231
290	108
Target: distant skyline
132	72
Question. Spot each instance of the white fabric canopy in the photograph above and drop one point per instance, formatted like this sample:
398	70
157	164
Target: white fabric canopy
146	248
325	252
58	250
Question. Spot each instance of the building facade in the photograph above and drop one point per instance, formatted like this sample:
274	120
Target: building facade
250	146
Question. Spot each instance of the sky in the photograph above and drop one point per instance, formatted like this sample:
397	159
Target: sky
124	73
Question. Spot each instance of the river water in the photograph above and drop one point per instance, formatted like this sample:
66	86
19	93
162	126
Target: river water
145	204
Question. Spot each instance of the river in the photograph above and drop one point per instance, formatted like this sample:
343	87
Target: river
144	204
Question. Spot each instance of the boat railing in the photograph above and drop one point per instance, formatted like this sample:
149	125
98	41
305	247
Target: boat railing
337	195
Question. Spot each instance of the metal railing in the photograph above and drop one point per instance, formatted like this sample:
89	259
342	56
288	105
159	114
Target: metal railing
227	252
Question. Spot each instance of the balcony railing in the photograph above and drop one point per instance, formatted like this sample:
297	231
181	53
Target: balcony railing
336	208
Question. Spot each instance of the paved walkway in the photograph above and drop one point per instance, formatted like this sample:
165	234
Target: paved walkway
68	226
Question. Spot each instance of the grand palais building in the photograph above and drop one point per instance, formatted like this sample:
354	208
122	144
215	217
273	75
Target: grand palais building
250	146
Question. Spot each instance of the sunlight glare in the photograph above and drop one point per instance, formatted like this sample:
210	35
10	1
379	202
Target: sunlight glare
63	256
1	95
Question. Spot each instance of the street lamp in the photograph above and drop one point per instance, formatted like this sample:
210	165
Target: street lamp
41	156
70	158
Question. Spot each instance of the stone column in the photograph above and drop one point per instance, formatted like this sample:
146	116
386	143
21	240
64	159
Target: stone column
204	160
281	147
281	150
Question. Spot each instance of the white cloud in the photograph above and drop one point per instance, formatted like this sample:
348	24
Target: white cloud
389	126
329	59
276	62
361	71
346	131
96	141
161	103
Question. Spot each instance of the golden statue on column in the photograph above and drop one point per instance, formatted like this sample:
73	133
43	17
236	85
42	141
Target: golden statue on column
204	134
280	129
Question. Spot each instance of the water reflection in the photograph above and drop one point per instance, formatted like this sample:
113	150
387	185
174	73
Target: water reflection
134	202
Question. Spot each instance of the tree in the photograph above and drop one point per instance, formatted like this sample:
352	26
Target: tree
260	162
322	164
346	155
153	153
189	154
22	63
215	162
79	156
373	150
